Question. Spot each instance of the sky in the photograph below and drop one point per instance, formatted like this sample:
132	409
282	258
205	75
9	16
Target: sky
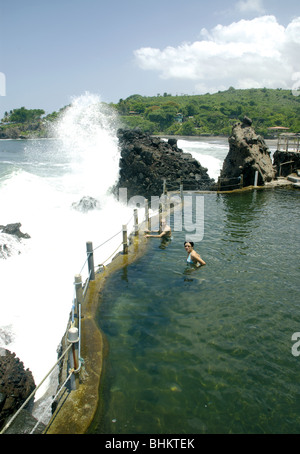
52	51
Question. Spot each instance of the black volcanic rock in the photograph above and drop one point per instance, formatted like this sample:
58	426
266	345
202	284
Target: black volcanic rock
146	161
16	384
12	235
86	204
14	229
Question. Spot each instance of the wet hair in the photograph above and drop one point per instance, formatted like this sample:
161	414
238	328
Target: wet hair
191	243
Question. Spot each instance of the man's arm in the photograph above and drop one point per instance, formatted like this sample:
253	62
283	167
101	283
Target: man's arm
156	236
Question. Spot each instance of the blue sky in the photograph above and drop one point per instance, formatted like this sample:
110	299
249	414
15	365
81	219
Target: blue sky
52	51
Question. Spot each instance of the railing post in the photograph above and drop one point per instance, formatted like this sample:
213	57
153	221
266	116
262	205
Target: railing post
165	187
78	292
160	215
90	255
125	244
181	190
73	338
242	181
136	222
164	203
146	214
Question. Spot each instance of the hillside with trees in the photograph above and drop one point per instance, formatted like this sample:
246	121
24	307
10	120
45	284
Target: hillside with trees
185	115
212	114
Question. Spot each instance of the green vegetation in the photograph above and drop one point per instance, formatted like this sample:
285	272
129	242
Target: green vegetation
23	115
209	114
26	123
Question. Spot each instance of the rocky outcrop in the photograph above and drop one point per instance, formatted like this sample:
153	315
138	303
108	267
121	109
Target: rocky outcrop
16	384
14	229
10	240
23	131
86	204
146	161
247	154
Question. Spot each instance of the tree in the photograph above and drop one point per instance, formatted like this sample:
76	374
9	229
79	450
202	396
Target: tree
188	128
23	115
191	109
169	111
123	107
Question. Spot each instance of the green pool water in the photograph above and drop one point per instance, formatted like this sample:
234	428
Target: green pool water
208	350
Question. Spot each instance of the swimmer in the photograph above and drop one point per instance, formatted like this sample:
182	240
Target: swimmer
193	257
164	231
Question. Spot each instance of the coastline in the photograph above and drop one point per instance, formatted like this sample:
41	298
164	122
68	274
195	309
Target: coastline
211	139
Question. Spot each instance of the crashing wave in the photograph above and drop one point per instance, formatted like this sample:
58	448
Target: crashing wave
6	335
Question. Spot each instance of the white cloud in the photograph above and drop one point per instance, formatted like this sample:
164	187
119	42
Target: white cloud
250	6
244	54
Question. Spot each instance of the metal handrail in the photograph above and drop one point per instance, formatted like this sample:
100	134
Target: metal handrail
34	391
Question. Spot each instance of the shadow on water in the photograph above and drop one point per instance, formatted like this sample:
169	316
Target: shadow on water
208	350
